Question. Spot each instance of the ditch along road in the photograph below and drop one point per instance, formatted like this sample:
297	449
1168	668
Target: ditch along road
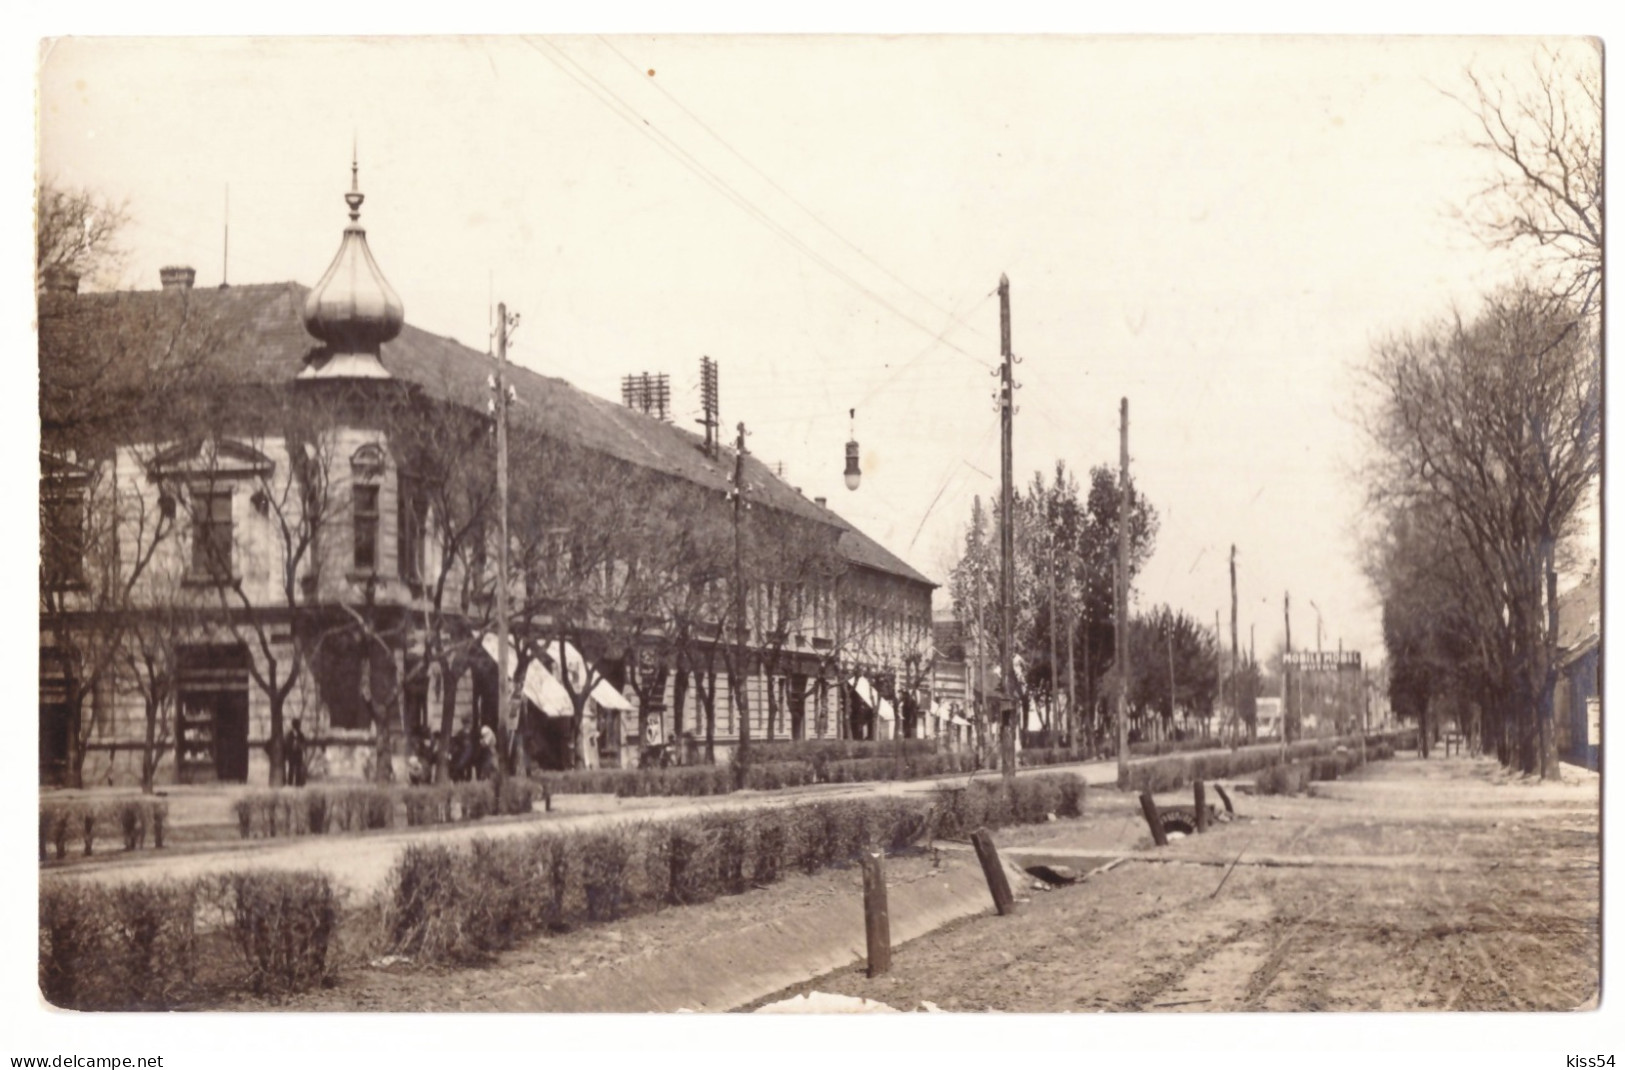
360	862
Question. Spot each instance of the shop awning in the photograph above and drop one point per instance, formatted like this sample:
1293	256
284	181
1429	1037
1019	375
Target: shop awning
603	692
866	691
541	687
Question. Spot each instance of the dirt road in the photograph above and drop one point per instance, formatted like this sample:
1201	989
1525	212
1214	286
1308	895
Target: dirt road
1438	885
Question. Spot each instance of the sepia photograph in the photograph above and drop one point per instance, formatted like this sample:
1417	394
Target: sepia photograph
823	525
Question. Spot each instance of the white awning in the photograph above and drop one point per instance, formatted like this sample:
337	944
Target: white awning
540	686
866	691
603	692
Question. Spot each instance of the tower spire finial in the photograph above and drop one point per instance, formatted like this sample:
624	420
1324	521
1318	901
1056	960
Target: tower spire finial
355	196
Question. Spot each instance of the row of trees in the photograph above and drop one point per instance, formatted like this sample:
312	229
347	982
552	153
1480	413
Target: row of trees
1066	558
182	505
1485	430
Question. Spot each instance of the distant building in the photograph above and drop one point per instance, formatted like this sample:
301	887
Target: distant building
1577	702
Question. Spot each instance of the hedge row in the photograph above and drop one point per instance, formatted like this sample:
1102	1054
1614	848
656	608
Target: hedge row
446	904
177	943
152	946
819	751
639	783
1159	747
1173	773
131	820
1295	778
766	772
322	809
1033	757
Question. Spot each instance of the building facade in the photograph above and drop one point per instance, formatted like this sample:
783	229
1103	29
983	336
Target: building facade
284	509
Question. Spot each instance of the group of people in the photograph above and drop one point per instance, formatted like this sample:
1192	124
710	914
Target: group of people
473	754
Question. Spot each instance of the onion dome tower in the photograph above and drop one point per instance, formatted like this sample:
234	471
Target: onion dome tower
353	309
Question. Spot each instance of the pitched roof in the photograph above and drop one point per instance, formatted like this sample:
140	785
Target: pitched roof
1579	615
263	339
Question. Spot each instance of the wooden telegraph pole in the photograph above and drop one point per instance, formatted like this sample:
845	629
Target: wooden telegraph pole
1120	625
737	686
1286	675
504	684
1007	545
1235	682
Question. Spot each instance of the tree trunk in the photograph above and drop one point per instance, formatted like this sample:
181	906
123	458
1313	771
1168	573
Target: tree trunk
772	700
448	722
278	775
679	696
149	749
708	698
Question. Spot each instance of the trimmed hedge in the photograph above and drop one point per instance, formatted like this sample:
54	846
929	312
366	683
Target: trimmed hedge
127	821
158	945
171	944
820	751
825	763
449	905
1173	773
1160	747
330	809
641	783
1033	757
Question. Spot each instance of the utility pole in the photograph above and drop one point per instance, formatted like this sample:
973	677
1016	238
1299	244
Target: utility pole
1235	689
1286	676
504	684
1171	692
979	699
1007	542
1120	625
736	686
1054	658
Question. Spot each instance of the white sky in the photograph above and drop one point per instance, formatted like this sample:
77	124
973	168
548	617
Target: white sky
1215	228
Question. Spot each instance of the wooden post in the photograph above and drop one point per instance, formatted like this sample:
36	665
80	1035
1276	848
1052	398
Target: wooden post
1229	809
993	870
876	920
1153	818
1201	807
1120	618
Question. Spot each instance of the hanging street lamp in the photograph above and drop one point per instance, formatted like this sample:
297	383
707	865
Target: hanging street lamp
854	474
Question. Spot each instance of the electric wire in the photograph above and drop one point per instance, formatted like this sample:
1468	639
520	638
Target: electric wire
703	125
630	115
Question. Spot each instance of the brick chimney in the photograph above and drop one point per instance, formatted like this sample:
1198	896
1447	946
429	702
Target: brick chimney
177	278
822	503
59	280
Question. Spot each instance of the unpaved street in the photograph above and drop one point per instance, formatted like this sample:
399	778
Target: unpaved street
1438	885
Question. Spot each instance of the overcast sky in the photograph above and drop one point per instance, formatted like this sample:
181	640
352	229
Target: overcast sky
1217	229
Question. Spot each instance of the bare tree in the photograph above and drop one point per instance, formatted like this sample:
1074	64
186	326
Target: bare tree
76	236
1545	133
1493	425
99	535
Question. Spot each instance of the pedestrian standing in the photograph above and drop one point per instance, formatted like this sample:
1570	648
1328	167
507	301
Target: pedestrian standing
296	756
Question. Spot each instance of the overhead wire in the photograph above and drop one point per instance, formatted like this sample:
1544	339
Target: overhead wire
953	469
792	198
630	115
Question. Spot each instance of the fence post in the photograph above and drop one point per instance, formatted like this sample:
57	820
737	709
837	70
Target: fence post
1153	818
1201	807
993	870
876	920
